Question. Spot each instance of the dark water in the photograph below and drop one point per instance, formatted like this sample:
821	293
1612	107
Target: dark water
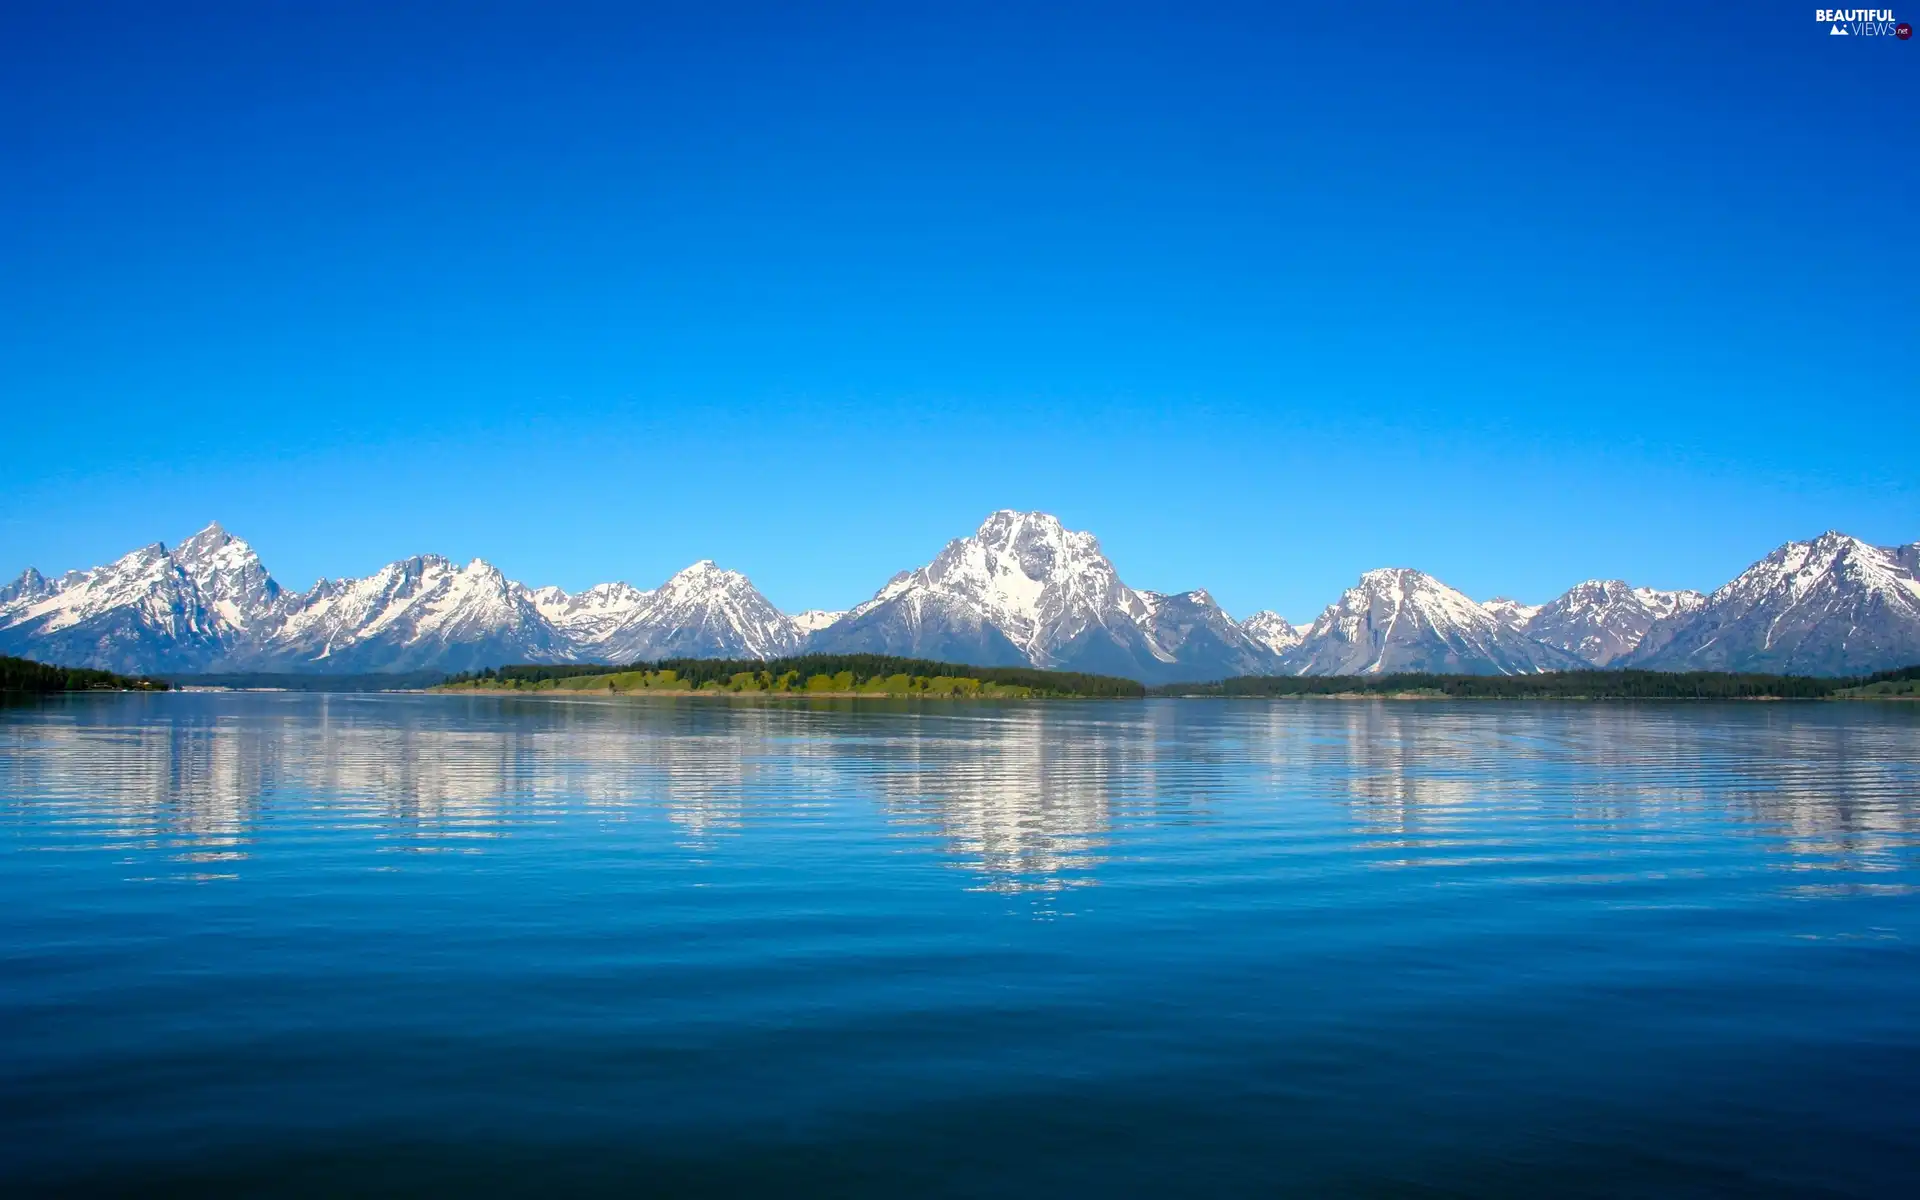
283	943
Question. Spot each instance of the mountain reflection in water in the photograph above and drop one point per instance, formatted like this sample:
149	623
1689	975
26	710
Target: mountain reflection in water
263	942
1020	797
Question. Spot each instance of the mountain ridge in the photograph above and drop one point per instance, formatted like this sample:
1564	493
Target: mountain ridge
1021	590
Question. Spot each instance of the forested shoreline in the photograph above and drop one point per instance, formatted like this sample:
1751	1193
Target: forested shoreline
1565	685
26	675
886	675
807	674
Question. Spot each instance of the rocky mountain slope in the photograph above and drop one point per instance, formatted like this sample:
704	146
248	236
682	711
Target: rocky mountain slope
1602	621
1020	590
1511	613
1831	606
1274	631
1023	589
420	612
209	604
135	615
1398	619
702	612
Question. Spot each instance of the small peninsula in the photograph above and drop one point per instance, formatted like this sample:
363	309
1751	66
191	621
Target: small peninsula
817	675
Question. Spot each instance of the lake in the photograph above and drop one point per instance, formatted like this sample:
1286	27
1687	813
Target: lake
295	943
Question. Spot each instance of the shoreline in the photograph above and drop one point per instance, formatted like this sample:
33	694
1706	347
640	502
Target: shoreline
1401	697
720	694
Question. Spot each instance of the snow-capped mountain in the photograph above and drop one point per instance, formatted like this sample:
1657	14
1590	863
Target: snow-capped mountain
420	612
31	585
1020	590
1831	606
210	604
231	580
133	614
702	612
1511	613
590	617
1398	619
1274	631
1198	635
815	619
149	610
1023	589
1602	621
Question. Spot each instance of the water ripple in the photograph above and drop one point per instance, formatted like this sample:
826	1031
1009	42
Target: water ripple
1129	948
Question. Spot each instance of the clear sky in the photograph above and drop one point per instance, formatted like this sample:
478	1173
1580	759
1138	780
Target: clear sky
1264	296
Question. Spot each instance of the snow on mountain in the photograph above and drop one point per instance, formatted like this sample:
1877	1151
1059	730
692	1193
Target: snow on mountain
134	614
1602	621
588	618
702	612
1274	631
1023	589
815	619
1831	606
1195	637
1398	619
210	603
1021	584
417	613
231	580
1511	613
1020	590
31	585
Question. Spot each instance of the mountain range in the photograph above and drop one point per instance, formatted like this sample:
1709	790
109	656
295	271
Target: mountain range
1021	590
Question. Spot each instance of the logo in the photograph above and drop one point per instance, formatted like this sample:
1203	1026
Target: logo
1861	22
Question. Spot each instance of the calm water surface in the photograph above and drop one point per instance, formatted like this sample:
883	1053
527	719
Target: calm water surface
285	943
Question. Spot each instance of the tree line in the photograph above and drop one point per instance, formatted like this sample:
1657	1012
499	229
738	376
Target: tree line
25	675
1566	685
697	672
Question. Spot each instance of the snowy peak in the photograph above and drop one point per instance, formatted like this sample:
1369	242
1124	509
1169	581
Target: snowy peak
30	585
1831	566
208	542
231	580
130	615
1602	621
1829	562
1831	605
1030	577
815	619
1024	589
1511	613
1398	619
1274	631
1192	636
703	577
589	617
145	581
1021	589
703	611
417	612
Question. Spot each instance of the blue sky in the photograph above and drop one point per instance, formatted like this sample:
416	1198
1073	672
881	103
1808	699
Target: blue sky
1515	294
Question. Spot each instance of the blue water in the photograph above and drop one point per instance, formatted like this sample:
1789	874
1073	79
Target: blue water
320	944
